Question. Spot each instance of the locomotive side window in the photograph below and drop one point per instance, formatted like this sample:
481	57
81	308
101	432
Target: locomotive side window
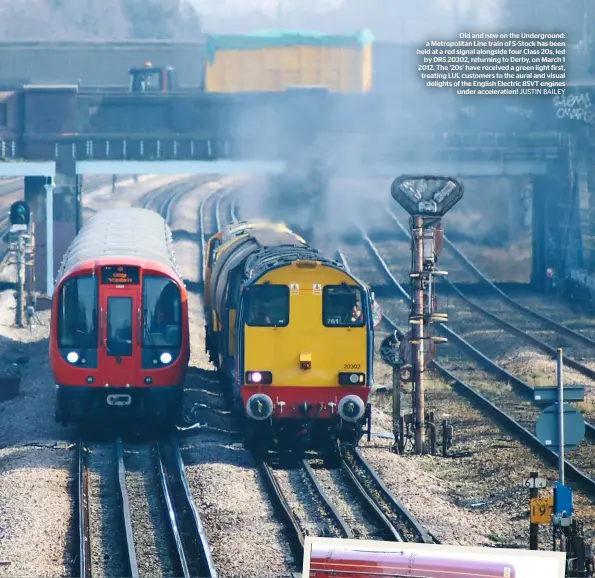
268	306
342	306
162	313
215	244
77	321
119	326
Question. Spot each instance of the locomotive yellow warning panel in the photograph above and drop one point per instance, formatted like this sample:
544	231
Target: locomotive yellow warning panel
541	510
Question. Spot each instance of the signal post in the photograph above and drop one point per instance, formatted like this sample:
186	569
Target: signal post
21	246
427	199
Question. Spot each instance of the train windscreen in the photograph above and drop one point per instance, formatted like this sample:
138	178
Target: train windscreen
119	326
268	306
77	321
342	306
162	313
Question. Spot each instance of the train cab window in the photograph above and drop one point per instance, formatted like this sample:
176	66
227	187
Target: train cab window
119	326
268	306
77	320
162	313
233	287
215	244
342	306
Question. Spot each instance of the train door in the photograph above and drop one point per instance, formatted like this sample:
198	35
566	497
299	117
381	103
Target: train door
119	352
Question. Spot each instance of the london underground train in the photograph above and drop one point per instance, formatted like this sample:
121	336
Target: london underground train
119	337
292	332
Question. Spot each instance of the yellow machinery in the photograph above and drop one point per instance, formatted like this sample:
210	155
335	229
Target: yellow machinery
294	339
274	60
217	248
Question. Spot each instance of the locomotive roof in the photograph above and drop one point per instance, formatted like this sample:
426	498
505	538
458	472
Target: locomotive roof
266	237
125	232
274	257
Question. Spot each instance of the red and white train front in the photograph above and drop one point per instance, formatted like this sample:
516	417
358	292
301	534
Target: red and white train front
119	342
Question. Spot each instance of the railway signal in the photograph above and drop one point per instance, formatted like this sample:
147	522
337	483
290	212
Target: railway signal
20	216
21	246
427	199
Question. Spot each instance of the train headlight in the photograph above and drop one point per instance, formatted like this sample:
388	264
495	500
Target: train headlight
165	358
351	408
72	357
259	377
352	378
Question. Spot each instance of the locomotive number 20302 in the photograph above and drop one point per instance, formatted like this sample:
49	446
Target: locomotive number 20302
351	366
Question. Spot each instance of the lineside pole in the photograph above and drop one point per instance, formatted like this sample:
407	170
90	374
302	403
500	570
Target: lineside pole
560	379
416	319
49	236
533	528
397	404
20	280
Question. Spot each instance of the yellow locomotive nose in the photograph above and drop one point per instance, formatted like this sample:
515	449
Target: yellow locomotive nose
305	361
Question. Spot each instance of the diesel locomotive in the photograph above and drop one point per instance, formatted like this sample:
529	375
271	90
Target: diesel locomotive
119	337
292	335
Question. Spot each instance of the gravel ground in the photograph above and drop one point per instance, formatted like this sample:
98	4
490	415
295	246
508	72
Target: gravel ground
476	496
35	506
524	362
127	193
509	263
338	488
108	546
306	503
36	524
149	526
228	492
236	509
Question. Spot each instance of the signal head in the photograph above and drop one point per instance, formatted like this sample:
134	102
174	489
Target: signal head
427	195
20	213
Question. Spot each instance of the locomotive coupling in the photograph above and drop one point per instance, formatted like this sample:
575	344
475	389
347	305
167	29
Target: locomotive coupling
259	406
351	408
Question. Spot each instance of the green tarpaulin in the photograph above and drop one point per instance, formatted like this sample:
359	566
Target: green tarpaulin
267	38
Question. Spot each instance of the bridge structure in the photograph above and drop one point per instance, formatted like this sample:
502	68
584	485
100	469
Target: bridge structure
52	134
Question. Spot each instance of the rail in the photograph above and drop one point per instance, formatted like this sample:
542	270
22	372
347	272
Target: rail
463	388
568	361
202	230
292	524
126	517
330	508
84	537
191	548
409	527
526	390
390	533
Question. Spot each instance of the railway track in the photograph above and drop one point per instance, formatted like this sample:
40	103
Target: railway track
516	411
210	220
139	517
356	504
344	501
536	323
164	199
